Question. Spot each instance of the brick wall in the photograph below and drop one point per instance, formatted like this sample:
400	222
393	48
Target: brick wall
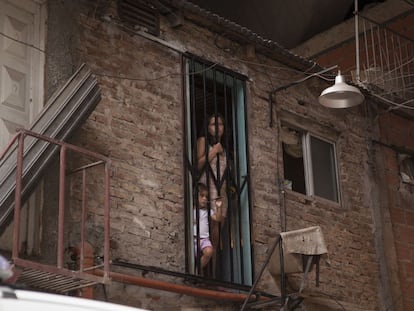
139	125
392	212
398	198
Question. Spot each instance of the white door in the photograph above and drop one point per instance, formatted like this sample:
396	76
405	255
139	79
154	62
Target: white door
21	64
22	31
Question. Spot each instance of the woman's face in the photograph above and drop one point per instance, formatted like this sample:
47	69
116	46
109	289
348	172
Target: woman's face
212	126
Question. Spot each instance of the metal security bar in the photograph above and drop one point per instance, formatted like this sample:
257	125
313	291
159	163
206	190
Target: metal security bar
216	156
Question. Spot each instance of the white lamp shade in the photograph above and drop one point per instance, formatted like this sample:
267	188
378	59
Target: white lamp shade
341	95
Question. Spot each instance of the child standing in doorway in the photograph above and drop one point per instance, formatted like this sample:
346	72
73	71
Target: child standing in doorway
202	243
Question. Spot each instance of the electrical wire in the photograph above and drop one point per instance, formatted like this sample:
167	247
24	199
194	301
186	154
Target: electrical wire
393	104
116	22
156	78
308	75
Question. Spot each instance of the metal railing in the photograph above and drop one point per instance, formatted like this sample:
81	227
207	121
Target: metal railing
59	271
63	113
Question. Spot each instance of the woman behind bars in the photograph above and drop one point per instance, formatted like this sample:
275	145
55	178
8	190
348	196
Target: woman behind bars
212	163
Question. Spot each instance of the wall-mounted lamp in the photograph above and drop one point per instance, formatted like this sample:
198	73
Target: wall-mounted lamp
340	95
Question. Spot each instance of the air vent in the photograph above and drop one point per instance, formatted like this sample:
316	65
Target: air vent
140	14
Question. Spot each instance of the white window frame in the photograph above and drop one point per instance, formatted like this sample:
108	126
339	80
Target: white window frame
308	166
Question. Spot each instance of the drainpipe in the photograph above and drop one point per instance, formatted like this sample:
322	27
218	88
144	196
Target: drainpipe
177	288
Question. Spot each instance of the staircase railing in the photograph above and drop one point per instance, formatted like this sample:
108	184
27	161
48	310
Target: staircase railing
64	112
46	276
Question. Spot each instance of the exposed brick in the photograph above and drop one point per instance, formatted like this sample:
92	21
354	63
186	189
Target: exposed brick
139	124
404	253
398	215
405	234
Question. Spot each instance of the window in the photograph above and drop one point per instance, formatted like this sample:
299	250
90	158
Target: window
215	103
309	164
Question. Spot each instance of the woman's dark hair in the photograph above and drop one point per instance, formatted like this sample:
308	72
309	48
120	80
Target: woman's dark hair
212	139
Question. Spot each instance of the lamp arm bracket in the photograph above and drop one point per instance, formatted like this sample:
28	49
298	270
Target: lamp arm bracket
283	87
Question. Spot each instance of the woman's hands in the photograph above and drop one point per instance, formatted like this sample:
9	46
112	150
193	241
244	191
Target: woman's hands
217	149
212	152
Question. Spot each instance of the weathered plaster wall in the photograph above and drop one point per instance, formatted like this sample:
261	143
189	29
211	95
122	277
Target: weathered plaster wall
61	33
139	125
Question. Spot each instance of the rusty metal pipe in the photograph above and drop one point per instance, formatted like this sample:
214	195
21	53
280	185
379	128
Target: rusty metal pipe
67	145
177	288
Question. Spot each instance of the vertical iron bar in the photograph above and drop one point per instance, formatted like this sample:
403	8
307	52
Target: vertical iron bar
82	249
282	273
193	114
191	160
17	196
60	248
107	220
229	171
217	181
282	205
249	203
187	163
237	174
194	192
206	150
198	247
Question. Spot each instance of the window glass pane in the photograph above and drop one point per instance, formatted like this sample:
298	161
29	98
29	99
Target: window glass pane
323	169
